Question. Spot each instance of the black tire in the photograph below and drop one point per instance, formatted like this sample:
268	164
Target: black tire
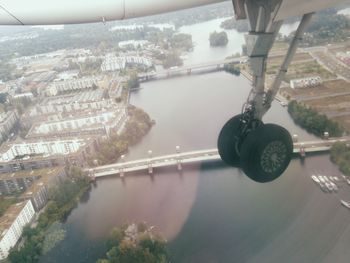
228	142
266	153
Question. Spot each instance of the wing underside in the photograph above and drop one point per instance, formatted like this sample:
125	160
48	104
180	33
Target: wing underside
46	12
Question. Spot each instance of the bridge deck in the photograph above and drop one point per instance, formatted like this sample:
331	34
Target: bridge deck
196	156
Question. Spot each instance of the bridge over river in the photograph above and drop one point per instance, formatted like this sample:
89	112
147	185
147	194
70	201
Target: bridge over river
189	69
180	158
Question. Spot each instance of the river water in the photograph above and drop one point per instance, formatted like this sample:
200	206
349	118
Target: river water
211	212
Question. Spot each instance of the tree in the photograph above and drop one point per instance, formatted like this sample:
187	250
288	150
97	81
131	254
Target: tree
181	41
218	39
133	81
172	59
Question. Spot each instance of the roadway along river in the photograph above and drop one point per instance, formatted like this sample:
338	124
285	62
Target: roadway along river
210	212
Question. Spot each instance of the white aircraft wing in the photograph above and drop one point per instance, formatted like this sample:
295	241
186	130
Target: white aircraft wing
47	12
290	8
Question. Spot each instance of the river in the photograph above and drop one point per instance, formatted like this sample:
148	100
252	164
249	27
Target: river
211	212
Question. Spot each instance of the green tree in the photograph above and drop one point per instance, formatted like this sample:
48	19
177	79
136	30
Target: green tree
172	59
133	81
218	39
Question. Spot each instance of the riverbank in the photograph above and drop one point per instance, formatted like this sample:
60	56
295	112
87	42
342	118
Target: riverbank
340	153
63	198
112	148
313	121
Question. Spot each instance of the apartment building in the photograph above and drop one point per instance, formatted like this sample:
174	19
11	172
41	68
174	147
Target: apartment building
12	223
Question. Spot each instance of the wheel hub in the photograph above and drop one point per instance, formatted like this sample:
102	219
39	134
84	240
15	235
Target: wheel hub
273	156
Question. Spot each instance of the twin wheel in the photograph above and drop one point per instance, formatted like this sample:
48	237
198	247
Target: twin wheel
263	153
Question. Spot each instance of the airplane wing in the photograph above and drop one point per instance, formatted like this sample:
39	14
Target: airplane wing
48	12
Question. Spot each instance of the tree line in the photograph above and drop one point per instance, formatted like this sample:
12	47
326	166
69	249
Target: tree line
313	121
340	155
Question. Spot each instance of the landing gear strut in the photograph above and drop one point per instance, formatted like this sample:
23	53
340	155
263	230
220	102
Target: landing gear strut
263	151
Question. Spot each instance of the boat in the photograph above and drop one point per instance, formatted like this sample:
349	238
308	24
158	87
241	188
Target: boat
315	179
348	181
321	178
329	186
323	188
344	203
335	187
325	178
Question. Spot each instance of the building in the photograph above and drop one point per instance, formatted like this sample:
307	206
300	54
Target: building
64	86
20	181
344	57
305	82
92	122
12	223
68	75
133	43
7	122
114	63
36	154
38	191
28	96
57	108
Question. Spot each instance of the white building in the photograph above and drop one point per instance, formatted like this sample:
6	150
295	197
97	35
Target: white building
134	43
12	223
43	148
58	87
7	121
67	75
113	63
305	82
21	96
94	123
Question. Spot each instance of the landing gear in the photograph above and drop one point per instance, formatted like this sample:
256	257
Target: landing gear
263	151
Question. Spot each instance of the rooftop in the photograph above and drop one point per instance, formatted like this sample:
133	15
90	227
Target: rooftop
85	96
46	176
10	215
33	173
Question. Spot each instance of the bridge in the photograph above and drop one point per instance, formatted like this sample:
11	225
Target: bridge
188	70
178	159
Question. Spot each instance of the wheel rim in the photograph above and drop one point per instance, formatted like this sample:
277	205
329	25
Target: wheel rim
273	157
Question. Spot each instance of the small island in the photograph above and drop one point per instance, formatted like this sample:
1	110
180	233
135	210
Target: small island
135	243
218	39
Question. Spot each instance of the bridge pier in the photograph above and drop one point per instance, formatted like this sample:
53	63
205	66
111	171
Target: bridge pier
121	170
150	166
179	165
179	160
302	152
